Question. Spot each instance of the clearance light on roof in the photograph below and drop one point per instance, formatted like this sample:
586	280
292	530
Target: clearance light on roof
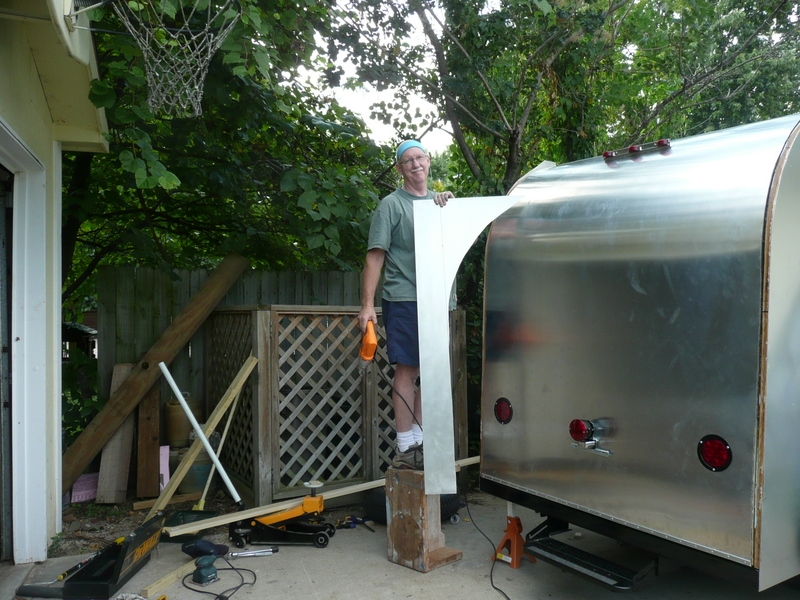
714	453
662	146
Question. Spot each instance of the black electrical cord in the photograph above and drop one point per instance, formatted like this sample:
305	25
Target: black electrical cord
494	550
394	389
466	501
224	595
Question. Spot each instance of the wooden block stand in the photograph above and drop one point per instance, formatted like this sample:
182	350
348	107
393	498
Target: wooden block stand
414	523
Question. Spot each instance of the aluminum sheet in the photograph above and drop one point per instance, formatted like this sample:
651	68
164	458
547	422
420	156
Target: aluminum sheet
630	292
442	237
780	489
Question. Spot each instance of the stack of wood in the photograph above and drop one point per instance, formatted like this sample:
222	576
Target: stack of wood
112	430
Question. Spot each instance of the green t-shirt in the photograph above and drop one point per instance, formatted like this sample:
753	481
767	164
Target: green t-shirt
392	230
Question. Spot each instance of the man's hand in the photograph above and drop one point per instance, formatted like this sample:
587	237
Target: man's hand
442	197
364	315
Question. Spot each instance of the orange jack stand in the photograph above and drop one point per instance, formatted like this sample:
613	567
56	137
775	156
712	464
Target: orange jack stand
510	549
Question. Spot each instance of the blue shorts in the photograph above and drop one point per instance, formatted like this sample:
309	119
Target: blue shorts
402	333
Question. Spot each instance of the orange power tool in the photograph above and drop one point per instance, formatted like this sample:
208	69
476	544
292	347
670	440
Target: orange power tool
369	344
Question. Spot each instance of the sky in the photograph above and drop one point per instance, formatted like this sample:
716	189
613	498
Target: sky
359	101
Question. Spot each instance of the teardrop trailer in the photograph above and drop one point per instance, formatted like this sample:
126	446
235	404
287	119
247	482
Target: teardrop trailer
642	354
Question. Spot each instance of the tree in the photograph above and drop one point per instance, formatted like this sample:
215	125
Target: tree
271	168
519	82
705	66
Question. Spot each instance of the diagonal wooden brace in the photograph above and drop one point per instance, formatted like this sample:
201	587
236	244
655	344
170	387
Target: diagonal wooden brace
230	395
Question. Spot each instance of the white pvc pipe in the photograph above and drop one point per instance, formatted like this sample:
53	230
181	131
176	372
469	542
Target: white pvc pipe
200	435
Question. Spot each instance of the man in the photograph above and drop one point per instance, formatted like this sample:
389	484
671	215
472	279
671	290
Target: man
391	245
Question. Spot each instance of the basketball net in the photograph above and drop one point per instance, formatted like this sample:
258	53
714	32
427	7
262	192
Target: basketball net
178	40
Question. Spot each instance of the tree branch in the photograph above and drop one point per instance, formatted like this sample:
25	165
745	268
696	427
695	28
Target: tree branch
87	272
480	74
696	84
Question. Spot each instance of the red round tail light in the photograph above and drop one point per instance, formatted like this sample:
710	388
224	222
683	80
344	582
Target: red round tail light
715	453
580	430
503	411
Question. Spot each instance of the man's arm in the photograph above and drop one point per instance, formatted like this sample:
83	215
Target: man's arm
369	284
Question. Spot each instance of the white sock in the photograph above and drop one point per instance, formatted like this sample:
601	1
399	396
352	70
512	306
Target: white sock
404	440
416	431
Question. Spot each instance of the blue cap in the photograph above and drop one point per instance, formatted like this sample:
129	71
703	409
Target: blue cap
409	144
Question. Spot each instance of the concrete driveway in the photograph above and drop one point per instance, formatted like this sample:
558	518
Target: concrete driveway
355	566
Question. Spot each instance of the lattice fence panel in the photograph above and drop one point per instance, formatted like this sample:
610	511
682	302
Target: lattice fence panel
229	345
312	401
321	404
383	373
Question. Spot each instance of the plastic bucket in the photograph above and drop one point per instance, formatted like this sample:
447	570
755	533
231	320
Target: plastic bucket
197	475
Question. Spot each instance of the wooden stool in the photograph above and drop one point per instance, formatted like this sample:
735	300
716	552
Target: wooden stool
414	523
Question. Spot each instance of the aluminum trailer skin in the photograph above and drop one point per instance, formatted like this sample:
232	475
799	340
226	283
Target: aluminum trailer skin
642	351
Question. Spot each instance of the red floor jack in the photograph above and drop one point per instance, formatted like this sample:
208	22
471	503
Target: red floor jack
288	527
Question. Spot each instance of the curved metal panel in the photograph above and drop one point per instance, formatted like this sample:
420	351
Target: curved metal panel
442	236
779	541
627	293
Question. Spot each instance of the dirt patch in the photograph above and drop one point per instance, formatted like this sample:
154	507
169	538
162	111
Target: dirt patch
88	527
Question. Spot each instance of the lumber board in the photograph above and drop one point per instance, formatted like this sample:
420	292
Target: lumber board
168	579
265	428
141	505
145	373
115	461
147	449
230	395
279	506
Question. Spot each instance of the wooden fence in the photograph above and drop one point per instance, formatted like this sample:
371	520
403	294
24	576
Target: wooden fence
136	304
307	412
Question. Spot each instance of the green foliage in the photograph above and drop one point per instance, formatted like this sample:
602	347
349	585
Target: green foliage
103	511
79	400
521	82
55	543
440	172
271	169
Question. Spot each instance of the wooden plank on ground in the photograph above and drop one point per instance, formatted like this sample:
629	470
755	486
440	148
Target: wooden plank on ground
230	395
174	500
148	449
279	506
145	373
168	580
115	462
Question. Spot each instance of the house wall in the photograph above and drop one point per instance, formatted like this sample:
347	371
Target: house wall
45	72
29	150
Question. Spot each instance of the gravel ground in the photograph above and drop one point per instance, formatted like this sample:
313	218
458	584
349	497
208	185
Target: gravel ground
88	527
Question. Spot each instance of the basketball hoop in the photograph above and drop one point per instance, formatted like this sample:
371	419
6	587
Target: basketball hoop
178	38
